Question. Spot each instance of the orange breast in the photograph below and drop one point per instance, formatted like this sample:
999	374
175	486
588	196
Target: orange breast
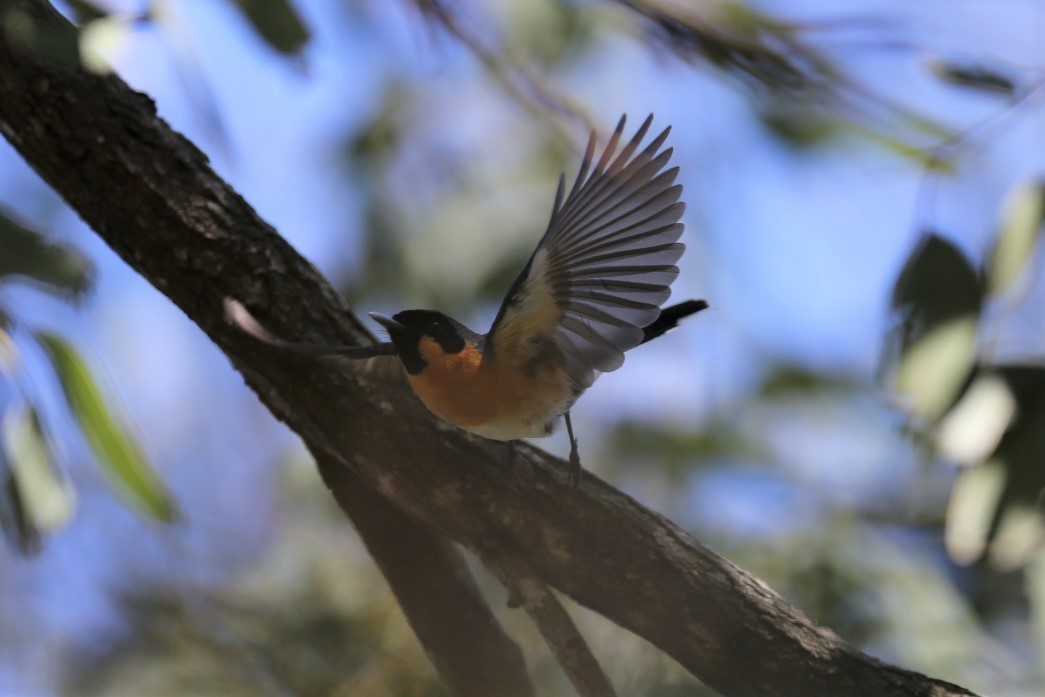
490	397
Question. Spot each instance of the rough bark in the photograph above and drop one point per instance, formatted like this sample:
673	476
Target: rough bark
436	590
151	196
77	116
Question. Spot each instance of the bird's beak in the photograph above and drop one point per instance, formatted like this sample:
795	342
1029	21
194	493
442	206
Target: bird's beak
387	322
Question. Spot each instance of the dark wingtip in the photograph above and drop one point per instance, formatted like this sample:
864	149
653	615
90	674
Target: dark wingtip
670	317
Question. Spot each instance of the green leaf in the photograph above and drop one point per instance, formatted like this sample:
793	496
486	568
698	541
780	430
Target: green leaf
118	454
1020	533
27	253
86	11
974	500
975	76
1018	234
932	372
277	22
972	430
938	283
938	297
996	506
100	38
35	498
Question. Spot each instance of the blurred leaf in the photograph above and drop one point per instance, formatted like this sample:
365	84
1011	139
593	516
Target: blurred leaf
117	453
35	498
1035	593
938	297
931	373
1020	532
15	520
973	503
278	23
927	159
1020	228
742	41
678	452
1017	521
798	125
27	253
938	283
85	11
370	146
8	350
785	381
98	39
974	75
971	431
996	506
546	31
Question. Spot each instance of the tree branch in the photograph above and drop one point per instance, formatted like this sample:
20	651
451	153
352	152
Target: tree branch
151	196
436	590
433	586
555	625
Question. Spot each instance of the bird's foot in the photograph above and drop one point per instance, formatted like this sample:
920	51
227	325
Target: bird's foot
575	456
575	468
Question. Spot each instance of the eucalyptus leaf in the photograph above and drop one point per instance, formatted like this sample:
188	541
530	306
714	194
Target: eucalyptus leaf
938	297
938	283
996	506
86	11
120	457
28	254
35	498
976	76
277	22
931	373
971	509
1018	234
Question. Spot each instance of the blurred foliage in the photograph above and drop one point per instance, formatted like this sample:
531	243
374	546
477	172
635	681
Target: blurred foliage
226	646
975	76
277	22
29	255
313	617
937	297
120	457
35	496
802	93
300	620
1017	236
989	417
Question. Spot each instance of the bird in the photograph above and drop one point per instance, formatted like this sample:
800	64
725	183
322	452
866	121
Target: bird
592	289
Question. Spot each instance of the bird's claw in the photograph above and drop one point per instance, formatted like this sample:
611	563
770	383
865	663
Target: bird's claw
575	468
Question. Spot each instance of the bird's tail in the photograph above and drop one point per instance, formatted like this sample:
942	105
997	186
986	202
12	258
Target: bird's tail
670	317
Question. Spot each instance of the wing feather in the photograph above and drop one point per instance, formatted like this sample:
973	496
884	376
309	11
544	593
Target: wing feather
606	262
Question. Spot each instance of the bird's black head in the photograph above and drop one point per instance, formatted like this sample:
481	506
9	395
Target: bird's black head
416	333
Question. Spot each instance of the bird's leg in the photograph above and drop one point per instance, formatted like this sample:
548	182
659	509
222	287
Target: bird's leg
575	457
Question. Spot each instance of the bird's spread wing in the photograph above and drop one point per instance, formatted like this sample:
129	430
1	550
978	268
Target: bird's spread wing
603	268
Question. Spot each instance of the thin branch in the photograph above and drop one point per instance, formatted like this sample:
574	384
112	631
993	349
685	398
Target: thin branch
522	84
554	623
436	591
